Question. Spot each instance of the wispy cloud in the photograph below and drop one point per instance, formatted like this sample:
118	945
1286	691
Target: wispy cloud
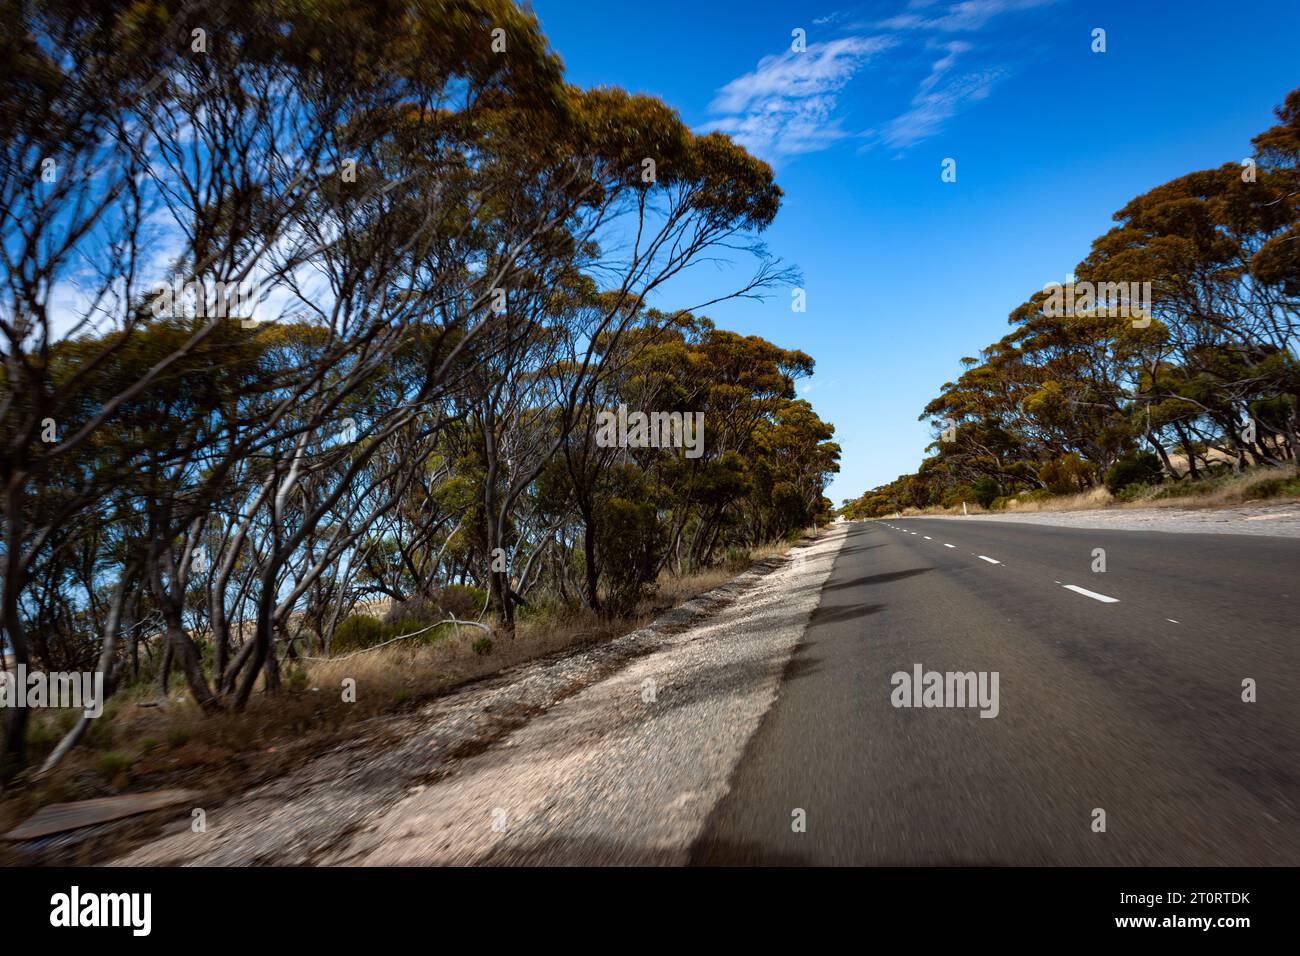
786	105
793	102
807	388
942	93
938	98
829	18
967	15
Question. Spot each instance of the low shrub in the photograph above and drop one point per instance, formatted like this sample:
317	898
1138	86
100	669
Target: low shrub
1140	468
1137	492
1189	489
418	610
1067	474
355	632
113	764
461	600
986	491
1272	487
955	496
408	625
456	600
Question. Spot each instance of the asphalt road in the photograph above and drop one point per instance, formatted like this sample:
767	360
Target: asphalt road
1118	691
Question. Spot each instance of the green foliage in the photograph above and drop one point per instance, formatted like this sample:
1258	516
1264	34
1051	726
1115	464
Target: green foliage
958	495
1138	468
986	490
113	764
482	645
1272	487
405	436
355	632
630	539
1066	473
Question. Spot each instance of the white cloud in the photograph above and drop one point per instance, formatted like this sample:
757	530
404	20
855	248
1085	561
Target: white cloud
785	105
828	18
938	99
808	387
967	15
942	66
790	103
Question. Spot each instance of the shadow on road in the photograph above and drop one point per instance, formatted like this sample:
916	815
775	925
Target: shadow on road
834	613
857	548
875	579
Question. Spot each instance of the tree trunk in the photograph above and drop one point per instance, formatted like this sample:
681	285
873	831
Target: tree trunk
180	648
1186	441
261	642
15	732
1164	456
164	668
592	568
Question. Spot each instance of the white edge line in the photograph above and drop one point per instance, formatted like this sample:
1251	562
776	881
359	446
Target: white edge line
1104	599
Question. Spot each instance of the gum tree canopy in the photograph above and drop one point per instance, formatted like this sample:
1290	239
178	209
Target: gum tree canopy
406	265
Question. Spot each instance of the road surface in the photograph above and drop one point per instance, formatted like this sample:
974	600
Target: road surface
1119	690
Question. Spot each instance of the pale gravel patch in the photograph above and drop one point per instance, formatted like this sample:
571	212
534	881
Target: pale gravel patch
309	815
1277	520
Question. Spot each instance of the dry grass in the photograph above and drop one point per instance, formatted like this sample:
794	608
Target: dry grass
1083	501
137	745
1097	497
1251	486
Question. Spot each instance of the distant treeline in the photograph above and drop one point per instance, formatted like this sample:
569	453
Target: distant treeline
1175	348
319	304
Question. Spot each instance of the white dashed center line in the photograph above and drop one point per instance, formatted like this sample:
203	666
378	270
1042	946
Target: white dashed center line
1104	599
927	537
988	559
946	545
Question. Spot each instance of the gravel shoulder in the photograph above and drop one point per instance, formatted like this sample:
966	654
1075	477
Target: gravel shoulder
1275	520
613	754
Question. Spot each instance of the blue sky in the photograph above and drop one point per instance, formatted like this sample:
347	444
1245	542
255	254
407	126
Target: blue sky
905	273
